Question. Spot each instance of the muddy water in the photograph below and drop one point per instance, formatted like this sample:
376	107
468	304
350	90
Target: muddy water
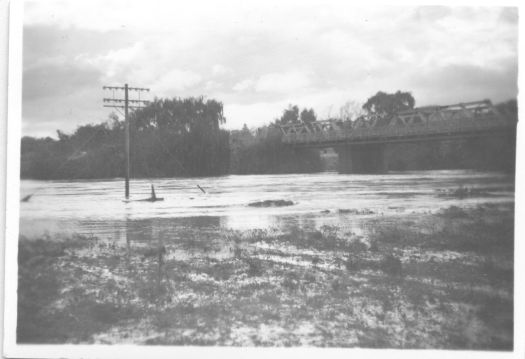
97	207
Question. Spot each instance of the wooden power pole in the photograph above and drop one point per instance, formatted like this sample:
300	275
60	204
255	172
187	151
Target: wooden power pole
124	103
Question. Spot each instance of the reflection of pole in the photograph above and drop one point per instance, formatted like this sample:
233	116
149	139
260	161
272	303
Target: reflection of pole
126	120
128	245
160	254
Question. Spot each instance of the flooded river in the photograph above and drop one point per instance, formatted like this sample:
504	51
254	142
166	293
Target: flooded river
97	207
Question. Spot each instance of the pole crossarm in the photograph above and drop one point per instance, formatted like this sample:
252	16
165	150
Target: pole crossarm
123	88
121	100
123	106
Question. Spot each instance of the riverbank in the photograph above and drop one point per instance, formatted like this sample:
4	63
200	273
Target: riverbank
436	280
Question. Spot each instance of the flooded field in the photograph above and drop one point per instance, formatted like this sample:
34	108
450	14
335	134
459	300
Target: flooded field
412	260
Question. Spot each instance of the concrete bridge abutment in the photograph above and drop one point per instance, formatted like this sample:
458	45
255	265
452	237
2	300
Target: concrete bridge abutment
362	158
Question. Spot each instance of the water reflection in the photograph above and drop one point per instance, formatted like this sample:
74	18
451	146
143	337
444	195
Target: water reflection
244	222
128	243
145	240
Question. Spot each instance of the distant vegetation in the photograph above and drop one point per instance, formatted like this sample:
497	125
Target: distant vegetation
261	151
386	105
183	137
170	137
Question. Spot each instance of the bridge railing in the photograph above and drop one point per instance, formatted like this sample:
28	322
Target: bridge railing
480	123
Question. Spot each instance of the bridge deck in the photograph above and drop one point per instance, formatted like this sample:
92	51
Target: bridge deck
420	131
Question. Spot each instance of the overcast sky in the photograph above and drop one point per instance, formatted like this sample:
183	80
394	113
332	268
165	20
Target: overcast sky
258	56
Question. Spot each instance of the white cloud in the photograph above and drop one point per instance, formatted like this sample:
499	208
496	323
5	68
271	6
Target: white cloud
114	62
176	80
212	85
283	82
220	70
244	85
253	115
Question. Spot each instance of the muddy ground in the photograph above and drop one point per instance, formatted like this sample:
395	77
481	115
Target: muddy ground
437	280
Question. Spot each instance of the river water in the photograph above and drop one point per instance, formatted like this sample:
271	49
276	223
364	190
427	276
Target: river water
97	207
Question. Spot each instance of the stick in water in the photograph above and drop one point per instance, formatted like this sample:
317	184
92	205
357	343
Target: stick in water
203	191
153	196
27	198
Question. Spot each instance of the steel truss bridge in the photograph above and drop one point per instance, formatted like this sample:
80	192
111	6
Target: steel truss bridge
463	120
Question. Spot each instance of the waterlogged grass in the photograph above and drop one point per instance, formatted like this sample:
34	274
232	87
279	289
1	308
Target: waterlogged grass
439	280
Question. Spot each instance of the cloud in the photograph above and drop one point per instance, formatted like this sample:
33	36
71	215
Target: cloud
509	15
262	56
442	85
220	70
45	40
212	85
283	82
431	13
253	115
176	80
68	111
57	79
246	84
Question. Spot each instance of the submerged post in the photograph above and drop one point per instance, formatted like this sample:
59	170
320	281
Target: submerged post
126	120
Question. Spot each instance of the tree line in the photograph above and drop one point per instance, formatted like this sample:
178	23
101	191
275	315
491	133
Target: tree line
169	138
181	137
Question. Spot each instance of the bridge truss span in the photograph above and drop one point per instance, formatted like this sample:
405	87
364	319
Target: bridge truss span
463	120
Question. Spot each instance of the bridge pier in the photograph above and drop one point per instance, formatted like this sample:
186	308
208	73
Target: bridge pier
362	158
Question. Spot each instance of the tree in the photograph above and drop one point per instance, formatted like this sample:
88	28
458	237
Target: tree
181	115
308	116
386	105
290	115
508	108
182	137
351	110
170	137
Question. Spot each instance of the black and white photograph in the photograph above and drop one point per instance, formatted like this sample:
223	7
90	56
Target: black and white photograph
261	174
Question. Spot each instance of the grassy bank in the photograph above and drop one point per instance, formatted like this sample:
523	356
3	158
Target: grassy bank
442	280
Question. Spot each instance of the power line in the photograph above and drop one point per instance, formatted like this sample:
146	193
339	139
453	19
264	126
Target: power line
124	103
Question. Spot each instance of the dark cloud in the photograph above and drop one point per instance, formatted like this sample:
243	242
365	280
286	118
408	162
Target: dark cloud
459	83
59	89
65	112
43	41
53	80
509	15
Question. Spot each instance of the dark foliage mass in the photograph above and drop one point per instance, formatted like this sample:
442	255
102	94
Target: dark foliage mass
261	151
384	104
183	137
180	137
169	138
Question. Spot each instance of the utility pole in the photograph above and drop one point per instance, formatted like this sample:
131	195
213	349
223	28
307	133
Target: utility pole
119	103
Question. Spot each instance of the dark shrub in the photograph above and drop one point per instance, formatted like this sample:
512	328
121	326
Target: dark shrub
391	265
351	263
254	267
